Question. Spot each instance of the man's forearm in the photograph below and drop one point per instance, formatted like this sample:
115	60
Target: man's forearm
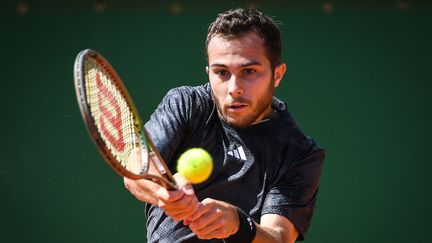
265	234
143	190
275	228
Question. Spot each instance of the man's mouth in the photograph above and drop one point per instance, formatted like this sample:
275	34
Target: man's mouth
236	107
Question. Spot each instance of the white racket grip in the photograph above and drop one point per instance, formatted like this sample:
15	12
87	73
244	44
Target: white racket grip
157	162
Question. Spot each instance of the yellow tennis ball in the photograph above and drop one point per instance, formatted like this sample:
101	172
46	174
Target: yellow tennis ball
195	165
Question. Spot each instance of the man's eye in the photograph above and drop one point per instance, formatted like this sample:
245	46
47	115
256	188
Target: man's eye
249	71
222	73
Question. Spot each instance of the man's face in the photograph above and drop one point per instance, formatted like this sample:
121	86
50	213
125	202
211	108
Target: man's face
241	78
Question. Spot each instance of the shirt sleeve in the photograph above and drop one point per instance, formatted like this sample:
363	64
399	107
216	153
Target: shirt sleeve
174	120
294	194
167	126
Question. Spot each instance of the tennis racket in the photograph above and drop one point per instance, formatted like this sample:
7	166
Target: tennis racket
113	122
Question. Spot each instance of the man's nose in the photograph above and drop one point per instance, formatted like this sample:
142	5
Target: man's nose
235	87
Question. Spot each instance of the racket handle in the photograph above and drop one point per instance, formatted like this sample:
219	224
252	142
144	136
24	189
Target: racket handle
163	181
166	180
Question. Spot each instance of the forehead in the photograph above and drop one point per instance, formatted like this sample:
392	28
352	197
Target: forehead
248	47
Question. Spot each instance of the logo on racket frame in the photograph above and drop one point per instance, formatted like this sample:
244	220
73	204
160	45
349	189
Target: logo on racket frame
113	116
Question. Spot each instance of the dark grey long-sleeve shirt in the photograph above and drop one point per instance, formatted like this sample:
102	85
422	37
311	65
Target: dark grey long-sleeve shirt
271	167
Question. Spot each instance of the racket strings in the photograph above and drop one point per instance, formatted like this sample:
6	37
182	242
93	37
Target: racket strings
113	117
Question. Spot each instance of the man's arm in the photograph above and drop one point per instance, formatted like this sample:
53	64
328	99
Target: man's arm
217	219
275	228
143	190
178	204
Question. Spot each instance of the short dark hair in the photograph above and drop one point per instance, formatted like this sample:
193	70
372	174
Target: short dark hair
238	22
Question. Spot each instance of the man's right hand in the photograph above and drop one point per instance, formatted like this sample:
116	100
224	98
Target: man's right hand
178	204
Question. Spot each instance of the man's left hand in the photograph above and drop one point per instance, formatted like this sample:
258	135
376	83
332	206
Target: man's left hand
214	219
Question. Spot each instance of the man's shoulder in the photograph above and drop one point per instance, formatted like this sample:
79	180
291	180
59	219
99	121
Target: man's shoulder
188	99
190	92
299	139
190	102
286	126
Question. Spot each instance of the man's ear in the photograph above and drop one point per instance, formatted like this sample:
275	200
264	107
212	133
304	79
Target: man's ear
279	73
207	69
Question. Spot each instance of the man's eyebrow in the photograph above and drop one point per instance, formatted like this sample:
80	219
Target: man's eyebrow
251	63
218	65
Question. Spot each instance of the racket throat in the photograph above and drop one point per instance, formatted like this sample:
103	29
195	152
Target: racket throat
157	162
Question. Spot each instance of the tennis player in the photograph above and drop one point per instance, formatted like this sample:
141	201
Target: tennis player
266	170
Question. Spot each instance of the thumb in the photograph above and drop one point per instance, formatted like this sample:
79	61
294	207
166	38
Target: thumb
183	184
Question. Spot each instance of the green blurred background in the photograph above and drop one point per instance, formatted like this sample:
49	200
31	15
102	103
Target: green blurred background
358	80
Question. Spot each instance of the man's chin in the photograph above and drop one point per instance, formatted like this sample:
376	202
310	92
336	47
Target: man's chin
237	122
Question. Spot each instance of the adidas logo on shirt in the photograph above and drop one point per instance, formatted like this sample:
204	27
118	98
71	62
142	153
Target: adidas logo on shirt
238	153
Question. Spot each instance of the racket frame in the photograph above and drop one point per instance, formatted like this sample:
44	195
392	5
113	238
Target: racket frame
166	179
